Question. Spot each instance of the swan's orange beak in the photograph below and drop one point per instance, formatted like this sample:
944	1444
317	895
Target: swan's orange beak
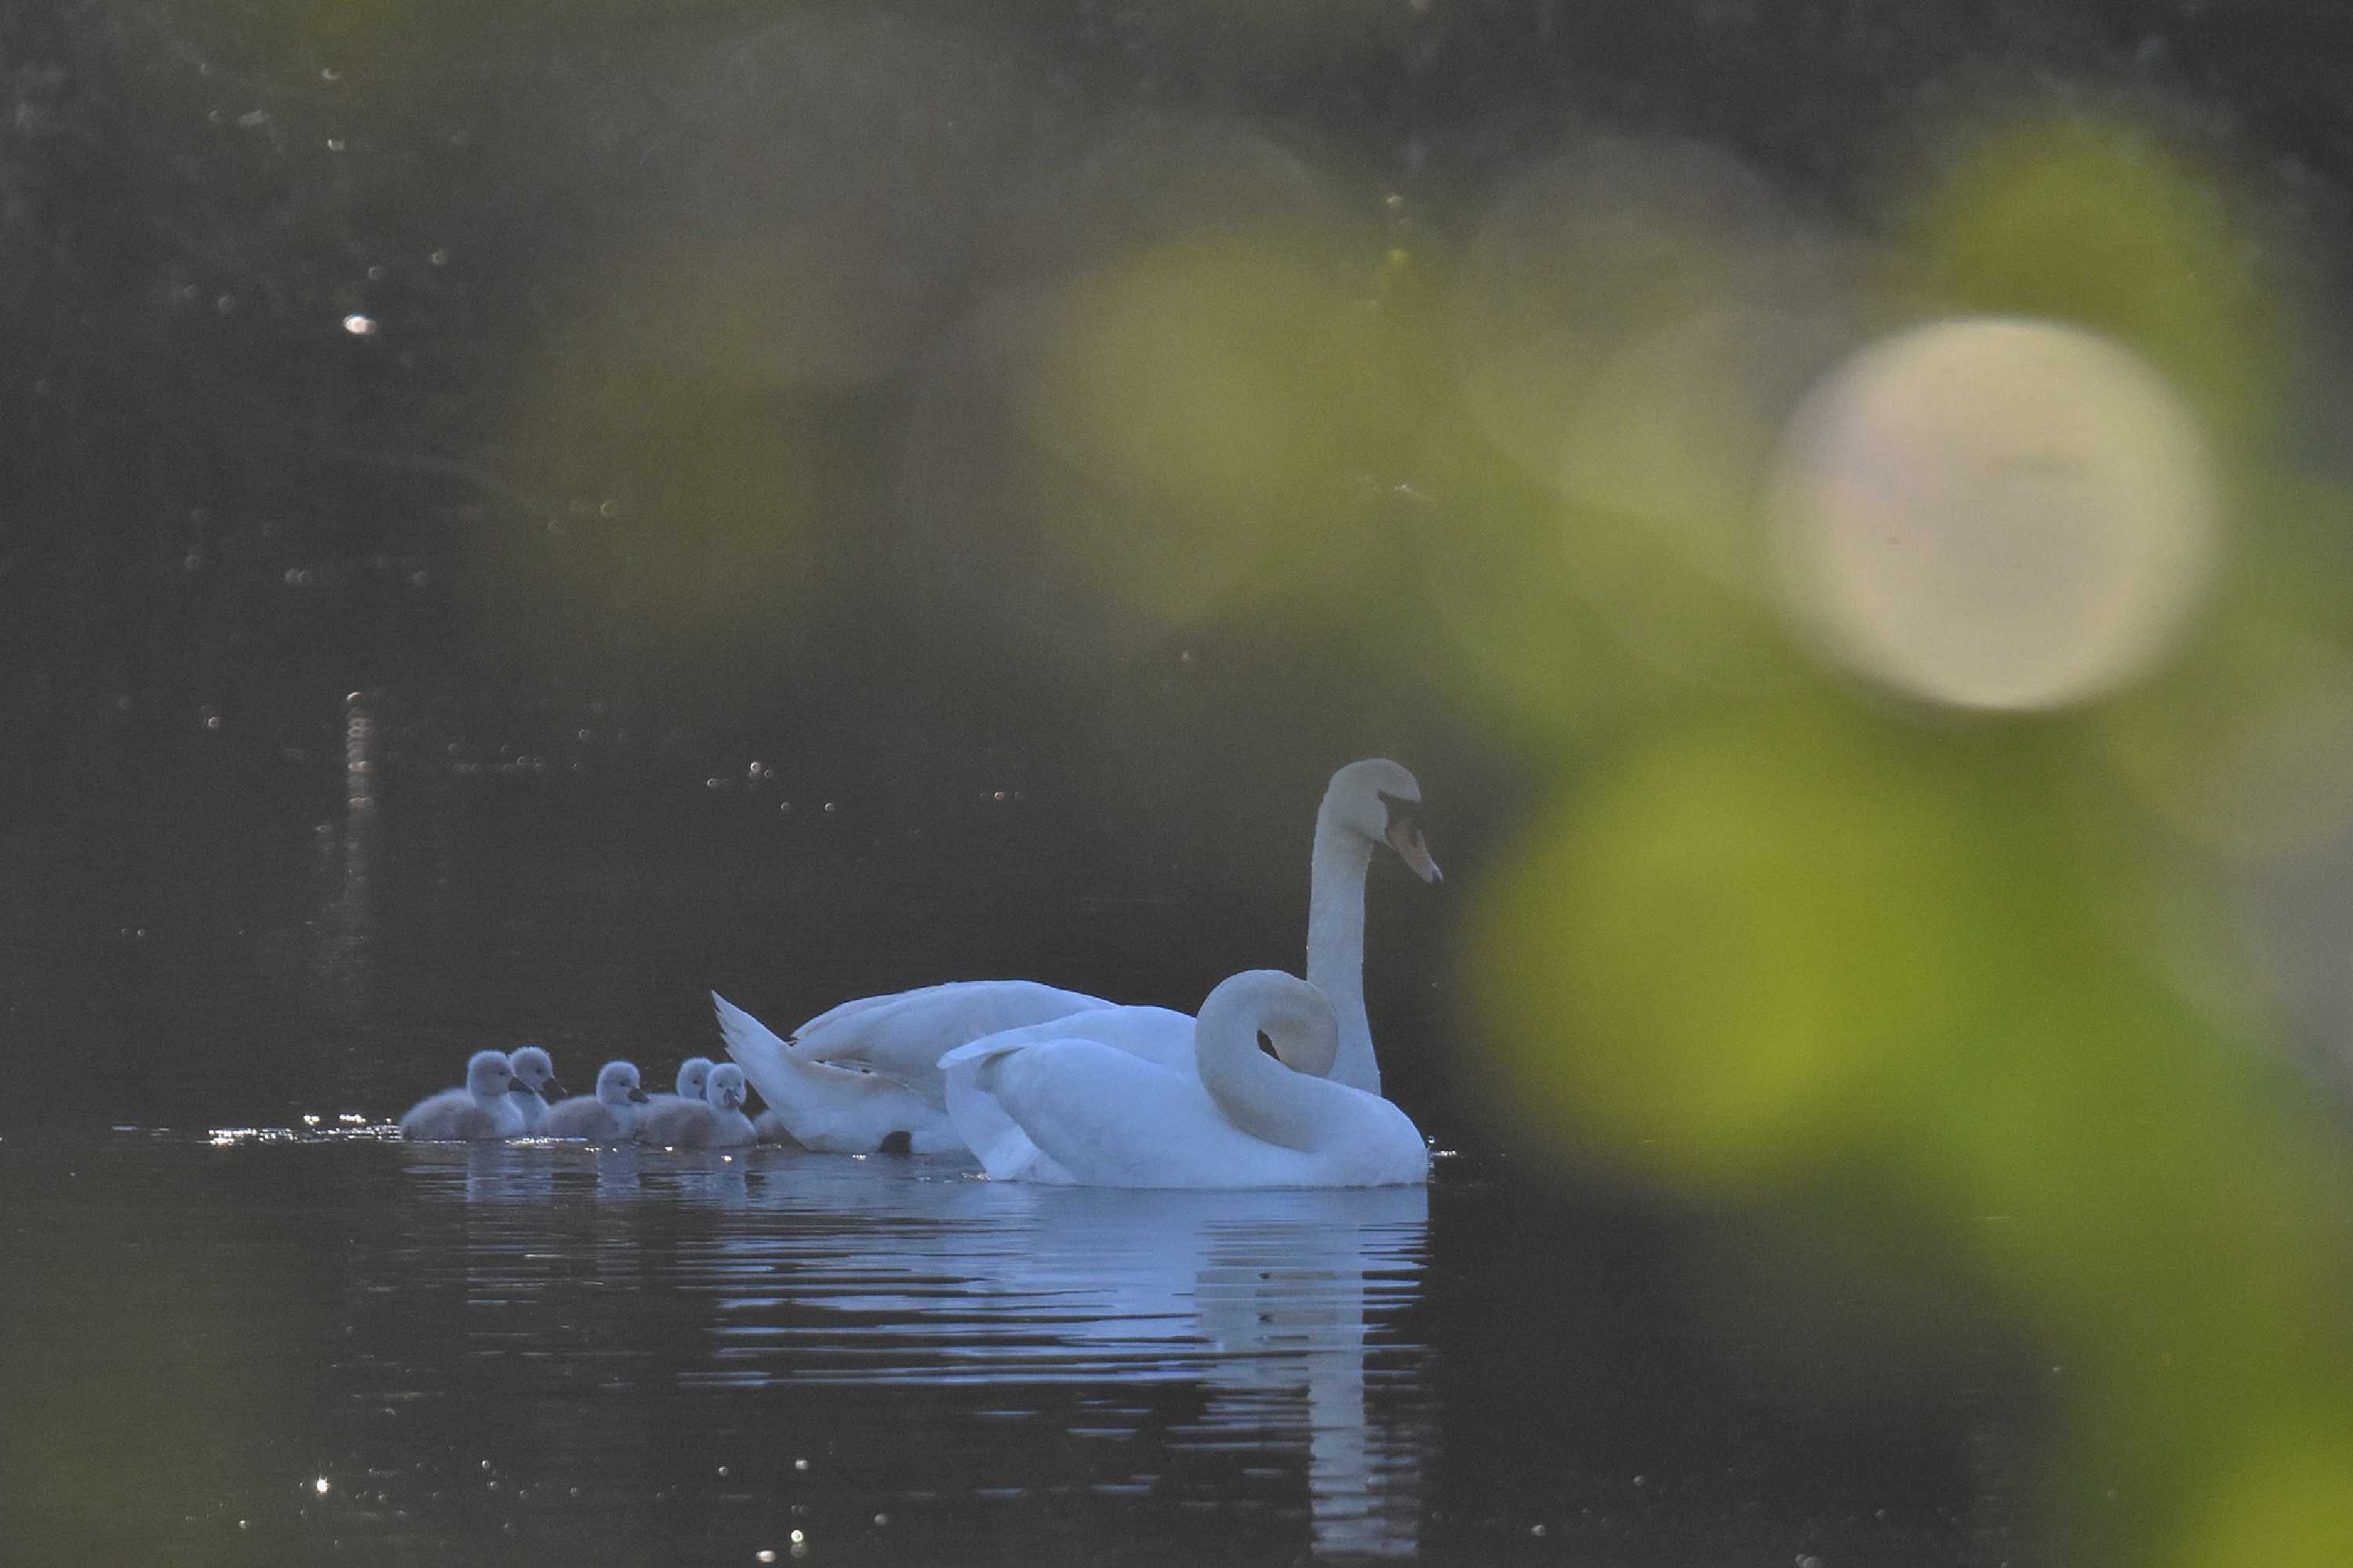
1405	837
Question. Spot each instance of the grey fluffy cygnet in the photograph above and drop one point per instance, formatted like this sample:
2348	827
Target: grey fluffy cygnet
608	1115
536	1071
693	1075
716	1122
488	1106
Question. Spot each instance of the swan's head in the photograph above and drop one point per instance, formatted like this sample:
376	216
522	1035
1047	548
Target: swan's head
1295	1017
617	1084
726	1089
1379	800
535	1071
693	1074
489	1072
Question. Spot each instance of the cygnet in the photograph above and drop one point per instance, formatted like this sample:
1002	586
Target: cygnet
608	1115
715	1121
694	1075
536	1071
488	1106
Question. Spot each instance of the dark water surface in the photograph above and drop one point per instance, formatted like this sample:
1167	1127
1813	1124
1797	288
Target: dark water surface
234	1334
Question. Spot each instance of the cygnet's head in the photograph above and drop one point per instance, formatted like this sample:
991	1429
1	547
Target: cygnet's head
726	1089
617	1084
488	1072
1381	802
535	1070
693	1074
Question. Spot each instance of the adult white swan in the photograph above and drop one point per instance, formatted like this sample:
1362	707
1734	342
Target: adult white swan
1105	1117
485	1108
900	1039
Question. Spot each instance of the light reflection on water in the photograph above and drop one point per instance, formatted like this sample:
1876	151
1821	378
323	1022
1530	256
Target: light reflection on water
819	1272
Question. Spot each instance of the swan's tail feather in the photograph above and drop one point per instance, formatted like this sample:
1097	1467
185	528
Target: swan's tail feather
823	1107
754	1045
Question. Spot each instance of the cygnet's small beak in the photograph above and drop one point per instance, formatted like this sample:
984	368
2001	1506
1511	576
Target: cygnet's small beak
518	1087
639	1095
551	1091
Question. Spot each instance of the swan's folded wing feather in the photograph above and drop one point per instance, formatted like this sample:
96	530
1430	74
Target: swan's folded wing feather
826	1107
1004	1151
1111	1119
902	1036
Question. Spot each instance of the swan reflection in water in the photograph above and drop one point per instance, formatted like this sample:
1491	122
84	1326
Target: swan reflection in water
820	1270
1264	1297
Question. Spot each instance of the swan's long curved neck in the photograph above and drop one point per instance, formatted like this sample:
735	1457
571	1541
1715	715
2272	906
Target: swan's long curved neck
1257	1093
1336	944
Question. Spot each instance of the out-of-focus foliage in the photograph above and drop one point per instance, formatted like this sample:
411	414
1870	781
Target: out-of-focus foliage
1767	941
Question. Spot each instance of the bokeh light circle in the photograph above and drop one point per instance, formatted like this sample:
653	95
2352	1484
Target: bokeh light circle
1996	513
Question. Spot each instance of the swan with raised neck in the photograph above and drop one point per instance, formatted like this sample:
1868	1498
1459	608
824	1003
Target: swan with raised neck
1367	803
899	1040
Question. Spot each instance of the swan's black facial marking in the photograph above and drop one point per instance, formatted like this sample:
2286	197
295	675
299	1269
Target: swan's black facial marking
1268	1045
1403	813
1404	836
896	1144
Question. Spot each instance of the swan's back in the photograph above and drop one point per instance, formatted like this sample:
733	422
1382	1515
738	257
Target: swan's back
902	1036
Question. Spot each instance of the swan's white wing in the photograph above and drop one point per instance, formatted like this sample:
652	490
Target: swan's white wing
902	1036
1111	1119
828	1107
1157	1035
1004	1152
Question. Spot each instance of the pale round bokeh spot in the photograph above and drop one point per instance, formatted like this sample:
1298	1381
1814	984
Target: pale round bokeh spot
1996	513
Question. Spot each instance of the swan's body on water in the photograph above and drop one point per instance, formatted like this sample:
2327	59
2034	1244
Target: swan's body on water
900	1038
715	1121
1100	1115
485	1108
535	1069
608	1115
